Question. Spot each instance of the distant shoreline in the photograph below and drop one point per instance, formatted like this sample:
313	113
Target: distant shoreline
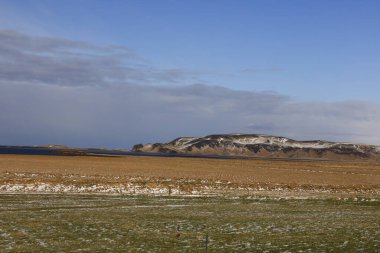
67	151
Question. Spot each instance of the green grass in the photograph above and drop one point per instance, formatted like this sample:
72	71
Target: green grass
99	223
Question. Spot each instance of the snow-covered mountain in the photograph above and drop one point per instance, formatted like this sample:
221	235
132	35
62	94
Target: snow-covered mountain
261	146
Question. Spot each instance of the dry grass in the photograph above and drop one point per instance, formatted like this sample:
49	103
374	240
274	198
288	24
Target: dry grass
318	173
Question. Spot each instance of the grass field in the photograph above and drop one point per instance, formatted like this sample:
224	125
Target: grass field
99	223
155	204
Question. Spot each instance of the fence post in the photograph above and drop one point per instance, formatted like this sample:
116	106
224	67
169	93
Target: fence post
206	243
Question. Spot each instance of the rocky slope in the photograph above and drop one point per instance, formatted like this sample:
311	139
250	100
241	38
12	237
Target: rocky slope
262	146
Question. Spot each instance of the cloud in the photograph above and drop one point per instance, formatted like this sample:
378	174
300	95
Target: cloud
125	115
74	93
56	61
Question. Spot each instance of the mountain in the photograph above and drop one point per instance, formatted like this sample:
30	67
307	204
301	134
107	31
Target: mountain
255	145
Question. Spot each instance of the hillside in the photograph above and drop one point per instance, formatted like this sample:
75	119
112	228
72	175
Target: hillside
253	145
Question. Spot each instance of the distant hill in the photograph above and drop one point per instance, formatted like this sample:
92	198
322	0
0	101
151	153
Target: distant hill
254	145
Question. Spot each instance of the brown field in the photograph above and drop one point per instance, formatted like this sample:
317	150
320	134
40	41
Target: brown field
350	176
236	171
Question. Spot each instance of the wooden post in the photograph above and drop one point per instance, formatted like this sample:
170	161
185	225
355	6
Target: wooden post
206	243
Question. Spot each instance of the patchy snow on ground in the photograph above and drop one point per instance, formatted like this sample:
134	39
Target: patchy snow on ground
50	183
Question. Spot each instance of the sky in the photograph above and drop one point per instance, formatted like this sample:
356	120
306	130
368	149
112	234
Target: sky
116	73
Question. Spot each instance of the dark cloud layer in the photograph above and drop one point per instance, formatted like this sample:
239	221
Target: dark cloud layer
67	92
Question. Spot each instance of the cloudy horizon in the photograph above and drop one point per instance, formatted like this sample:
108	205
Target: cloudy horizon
56	89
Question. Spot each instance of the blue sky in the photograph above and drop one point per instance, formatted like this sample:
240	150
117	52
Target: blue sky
315	54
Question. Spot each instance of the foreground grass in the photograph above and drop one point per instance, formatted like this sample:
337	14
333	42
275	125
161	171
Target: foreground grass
99	223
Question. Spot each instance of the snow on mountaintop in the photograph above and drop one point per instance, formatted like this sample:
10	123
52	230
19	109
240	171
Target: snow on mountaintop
245	139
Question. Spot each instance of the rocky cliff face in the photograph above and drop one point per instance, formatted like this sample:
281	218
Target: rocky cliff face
261	146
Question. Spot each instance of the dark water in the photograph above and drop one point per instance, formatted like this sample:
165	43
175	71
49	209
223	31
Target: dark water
27	151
